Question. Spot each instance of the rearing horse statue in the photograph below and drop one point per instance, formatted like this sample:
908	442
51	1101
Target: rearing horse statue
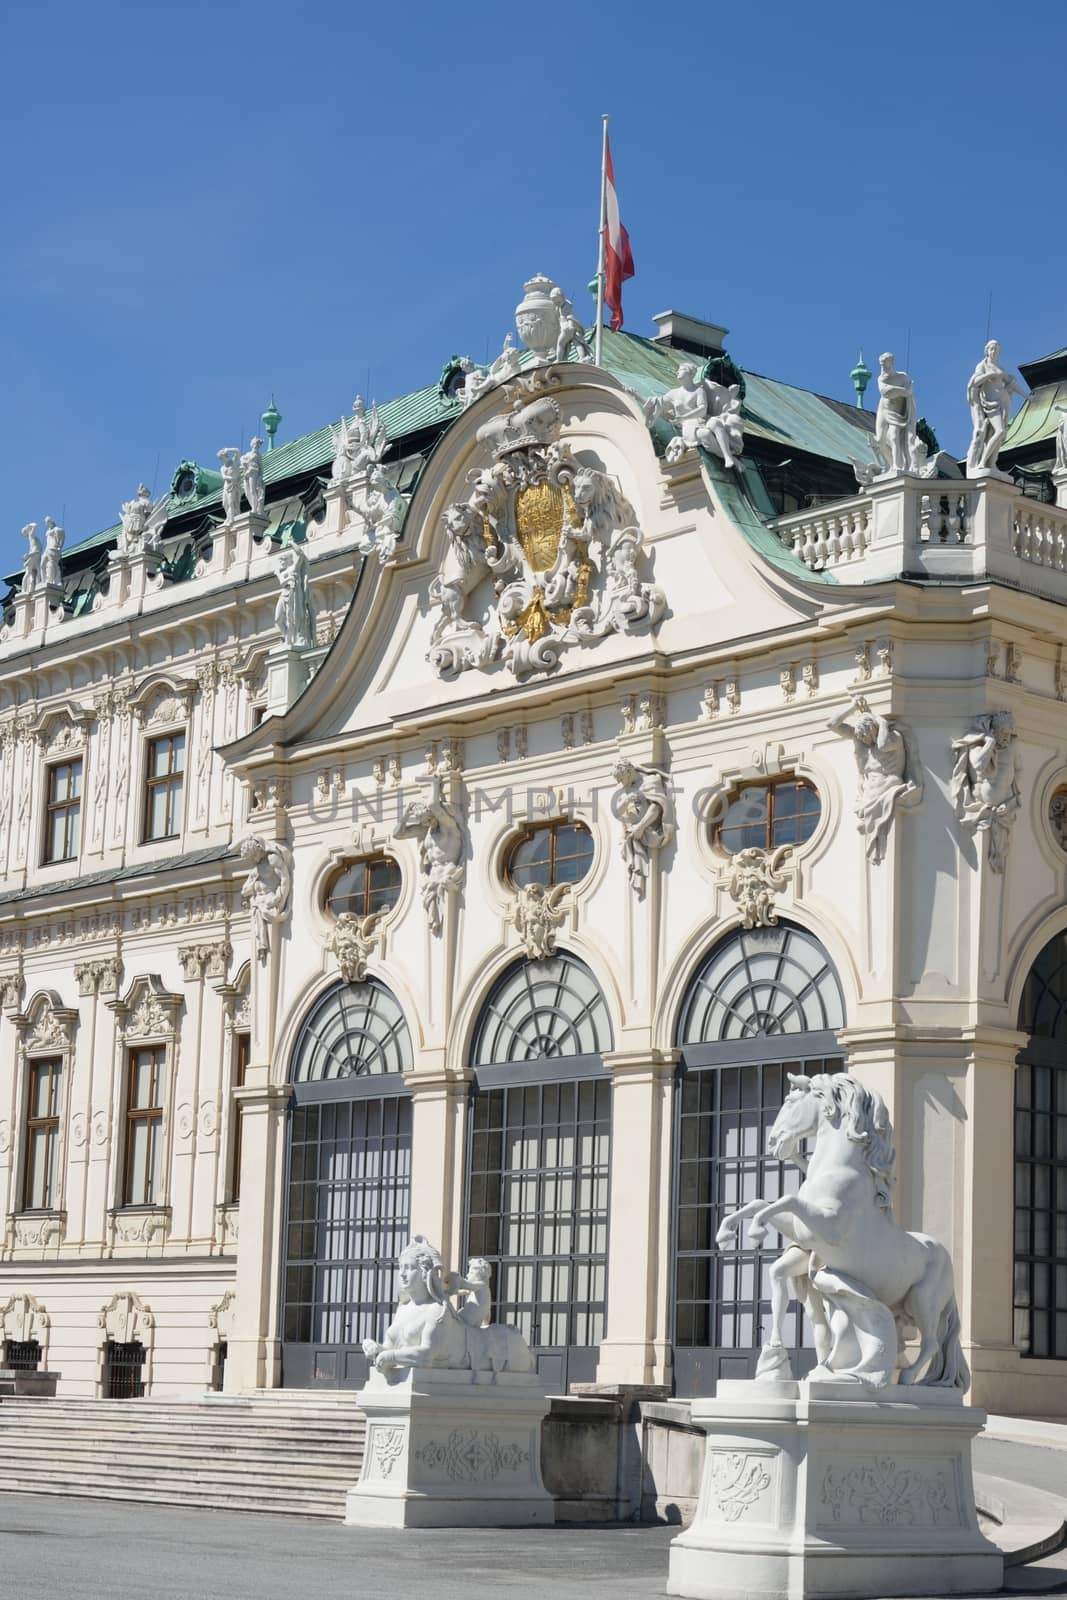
864	1282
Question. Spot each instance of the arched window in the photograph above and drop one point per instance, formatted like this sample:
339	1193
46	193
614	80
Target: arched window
349	1182
356	1028
539	1159
762	1003
1041	1159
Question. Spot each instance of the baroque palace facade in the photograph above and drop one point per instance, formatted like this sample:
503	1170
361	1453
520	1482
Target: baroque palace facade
467	836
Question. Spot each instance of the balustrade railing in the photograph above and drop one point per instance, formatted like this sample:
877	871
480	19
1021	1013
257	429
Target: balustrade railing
948	529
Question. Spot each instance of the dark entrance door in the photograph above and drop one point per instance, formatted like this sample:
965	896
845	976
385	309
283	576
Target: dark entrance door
348	1188
539	1161
765	1002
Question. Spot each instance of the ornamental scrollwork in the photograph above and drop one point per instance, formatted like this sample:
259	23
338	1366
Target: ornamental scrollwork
736	1479
881	1493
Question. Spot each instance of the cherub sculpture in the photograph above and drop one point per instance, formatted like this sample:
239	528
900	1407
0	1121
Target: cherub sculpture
707	415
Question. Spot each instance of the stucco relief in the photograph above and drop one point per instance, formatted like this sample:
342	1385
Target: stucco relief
351	941
38	1232
126	1318
537	914
736	1480
985	782
438	826
558	542
755	877
468	1455
889	772
883	1493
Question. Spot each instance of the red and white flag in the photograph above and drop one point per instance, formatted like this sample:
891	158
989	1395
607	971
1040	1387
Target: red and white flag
618	260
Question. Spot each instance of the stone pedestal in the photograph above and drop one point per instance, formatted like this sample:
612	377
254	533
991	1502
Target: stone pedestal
1059	482
831	1489
40	1384
449	1449
289	669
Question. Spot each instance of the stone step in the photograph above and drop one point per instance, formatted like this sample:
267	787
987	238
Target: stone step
221	1498
283	1467
340	1437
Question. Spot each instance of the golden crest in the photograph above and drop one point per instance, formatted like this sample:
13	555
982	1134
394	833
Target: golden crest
534	619
539	513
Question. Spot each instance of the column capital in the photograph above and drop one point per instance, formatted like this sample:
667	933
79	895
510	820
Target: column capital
265	1096
648	1063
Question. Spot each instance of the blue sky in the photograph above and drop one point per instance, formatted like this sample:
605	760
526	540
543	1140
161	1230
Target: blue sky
206	202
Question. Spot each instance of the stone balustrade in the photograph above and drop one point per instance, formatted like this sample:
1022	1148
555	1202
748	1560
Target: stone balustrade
963	529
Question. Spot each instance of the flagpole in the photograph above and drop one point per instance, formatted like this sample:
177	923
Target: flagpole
600	264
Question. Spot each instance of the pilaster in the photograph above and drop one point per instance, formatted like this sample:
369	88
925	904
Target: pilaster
635	1350
438	1129
253	1355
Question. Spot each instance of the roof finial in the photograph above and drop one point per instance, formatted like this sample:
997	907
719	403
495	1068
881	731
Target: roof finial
861	377
271	419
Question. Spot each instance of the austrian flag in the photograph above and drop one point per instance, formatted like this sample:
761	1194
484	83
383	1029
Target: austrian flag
618	261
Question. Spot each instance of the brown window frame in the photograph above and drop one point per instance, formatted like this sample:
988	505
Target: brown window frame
242	1055
769	785
372	859
174	781
152	1115
552	827
55	809
48	1125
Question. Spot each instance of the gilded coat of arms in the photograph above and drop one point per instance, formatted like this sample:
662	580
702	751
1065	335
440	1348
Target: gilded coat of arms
543	553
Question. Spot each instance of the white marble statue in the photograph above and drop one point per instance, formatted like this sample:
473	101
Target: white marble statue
890	777
142	523
31	561
896	417
51	561
252	473
439	830
863	1281
358	442
643	805
985	782
624	599
230	462
989	392
380	508
479	379
1061	439
546	324
707	415
571	334
294	614
427	1330
267	886
756	876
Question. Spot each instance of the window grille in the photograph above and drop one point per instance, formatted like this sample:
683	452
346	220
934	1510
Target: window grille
123	1371
22	1355
1040	1295
354	1029
542	1011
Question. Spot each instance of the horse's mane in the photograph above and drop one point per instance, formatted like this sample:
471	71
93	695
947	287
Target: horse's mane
862	1113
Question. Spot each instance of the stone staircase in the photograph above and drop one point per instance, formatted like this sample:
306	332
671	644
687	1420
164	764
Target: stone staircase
294	1454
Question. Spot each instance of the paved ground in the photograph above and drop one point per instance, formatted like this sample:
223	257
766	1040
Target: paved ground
102	1550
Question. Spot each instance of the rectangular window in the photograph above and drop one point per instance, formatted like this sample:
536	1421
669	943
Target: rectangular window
144	1126
164	776
63	811
42	1135
242	1045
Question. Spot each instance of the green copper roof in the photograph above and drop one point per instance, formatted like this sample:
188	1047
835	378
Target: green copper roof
1037	417
792	418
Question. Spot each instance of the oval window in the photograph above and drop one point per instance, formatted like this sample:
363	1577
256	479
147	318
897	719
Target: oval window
766	815
363	886
550	853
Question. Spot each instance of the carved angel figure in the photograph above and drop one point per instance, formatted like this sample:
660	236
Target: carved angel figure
52	563
889	772
440	833
643	805
985	782
571	333
479	379
31	561
252	472
380	508
142	523
427	1330
294	614
707	414
230	462
989	392
755	875
537	913
359	442
624	599
267	886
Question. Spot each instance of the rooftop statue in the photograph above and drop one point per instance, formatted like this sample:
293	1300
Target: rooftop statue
1061	439
707	414
359	442
252	472
894	425
985	782
547	325
31	561
479	379
889	772
51	562
230	461
142	523
989	393
863	1281
294	614
429	1330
